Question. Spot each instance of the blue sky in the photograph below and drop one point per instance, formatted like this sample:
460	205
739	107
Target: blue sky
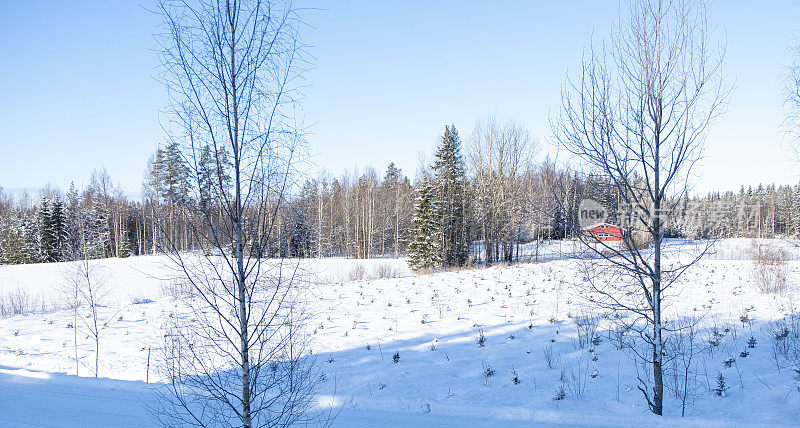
79	89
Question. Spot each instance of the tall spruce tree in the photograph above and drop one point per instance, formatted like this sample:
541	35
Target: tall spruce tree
12	240
32	240
450	186
205	178
47	240
123	248
95	233
72	249
57	231
423	252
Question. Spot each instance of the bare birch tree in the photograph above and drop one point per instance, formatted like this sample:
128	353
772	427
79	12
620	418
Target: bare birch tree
85	290
500	155
638	115
237	356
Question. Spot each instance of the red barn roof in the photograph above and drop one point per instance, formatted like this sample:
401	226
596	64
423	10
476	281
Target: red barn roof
605	232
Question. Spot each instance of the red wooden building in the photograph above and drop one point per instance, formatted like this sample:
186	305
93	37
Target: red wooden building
605	232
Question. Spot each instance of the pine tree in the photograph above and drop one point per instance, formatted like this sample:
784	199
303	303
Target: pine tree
72	247
57	232
123	249
450	194
95	231
794	212
47	240
205	178
155	175
31	241
12	241
424	251
175	175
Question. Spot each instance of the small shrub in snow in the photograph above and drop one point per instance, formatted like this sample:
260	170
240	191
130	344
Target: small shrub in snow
770	270
515	377
752	342
729	362
547	354
396	357
481	339
586	326
618	335
17	302
357	273
721	388
744	354
385	270
560	394
576	374
177	289
785	347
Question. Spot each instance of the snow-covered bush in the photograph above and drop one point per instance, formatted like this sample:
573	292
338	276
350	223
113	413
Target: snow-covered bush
481	339
618	335
21	302
357	273
560	394
549	357
177	288
586	325
385	270
16	302
785	349
721	388
770	270
578	373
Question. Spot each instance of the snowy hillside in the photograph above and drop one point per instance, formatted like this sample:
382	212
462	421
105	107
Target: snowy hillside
485	347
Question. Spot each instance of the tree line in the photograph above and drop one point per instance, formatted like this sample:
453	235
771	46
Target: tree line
475	203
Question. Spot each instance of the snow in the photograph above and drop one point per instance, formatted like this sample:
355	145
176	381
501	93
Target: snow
525	311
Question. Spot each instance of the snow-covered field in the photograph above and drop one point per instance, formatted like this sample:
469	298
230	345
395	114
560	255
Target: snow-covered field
527	313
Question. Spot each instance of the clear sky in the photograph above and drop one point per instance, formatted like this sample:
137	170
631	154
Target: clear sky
79	89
